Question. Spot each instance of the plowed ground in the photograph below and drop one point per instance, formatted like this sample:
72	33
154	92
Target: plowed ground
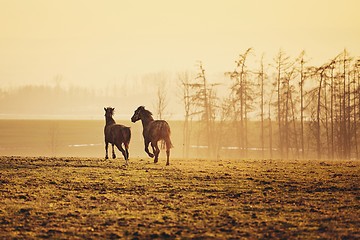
81	198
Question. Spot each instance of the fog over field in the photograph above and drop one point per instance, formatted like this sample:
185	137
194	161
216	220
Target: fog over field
277	76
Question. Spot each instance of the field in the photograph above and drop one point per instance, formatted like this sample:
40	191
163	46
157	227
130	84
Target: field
72	138
92	198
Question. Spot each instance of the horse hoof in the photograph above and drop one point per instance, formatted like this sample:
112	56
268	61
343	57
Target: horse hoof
151	155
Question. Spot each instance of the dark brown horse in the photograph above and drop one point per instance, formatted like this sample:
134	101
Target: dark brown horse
116	134
153	131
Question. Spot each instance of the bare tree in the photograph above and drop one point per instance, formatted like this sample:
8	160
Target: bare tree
262	76
301	83
241	93
289	118
185	86
270	130
281	63
204	100
333	119
162	100
356	104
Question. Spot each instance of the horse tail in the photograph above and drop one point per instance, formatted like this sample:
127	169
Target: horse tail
166	141
170	143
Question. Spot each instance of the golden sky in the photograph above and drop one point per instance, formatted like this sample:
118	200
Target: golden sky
94	42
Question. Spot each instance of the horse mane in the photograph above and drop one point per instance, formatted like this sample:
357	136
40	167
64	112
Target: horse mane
147	112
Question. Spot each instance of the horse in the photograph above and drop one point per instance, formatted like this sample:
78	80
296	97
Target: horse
116	134
153	131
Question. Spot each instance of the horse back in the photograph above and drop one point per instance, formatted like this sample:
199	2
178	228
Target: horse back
117	132
159	130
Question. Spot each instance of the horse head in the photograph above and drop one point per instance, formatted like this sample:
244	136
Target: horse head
109	111
137	114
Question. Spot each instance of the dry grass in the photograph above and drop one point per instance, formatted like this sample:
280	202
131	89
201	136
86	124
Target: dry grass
92	198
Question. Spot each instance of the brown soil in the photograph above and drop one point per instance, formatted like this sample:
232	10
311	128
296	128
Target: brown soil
81	198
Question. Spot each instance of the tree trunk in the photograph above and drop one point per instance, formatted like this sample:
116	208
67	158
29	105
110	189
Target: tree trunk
302	108
262	107
318	132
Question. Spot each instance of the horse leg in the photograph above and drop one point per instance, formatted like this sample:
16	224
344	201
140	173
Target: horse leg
106	150
119	146
127	151
156	151
147	149
168	146
113	151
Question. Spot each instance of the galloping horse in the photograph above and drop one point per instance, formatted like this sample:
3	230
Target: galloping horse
153	131
116	134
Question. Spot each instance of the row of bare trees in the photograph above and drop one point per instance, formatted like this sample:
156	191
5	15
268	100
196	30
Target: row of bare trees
286	109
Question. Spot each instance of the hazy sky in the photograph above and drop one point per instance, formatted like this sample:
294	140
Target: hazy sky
97	42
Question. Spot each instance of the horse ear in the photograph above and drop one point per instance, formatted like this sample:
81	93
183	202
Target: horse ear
105	109
113	109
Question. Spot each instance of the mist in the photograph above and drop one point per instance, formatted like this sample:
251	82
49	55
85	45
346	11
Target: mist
68	60
287	108
57	100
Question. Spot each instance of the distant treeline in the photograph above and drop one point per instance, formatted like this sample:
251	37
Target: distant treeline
302	111
45	100
35	101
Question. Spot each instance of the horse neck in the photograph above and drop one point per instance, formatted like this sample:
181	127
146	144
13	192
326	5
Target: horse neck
109	120
146	121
